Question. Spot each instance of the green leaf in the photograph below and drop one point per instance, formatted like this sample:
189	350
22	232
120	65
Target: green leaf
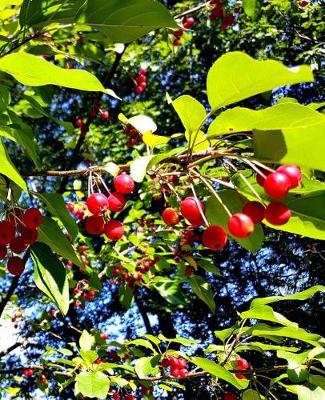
280	116
262	347
51	234
169	290
191	112
145	366
8	169
203	291
142	123
153	140
304	295
55	204
220	372
89	356
86	340
4	98
141	342
268	314
93	384
236	76
251	7
297	371
251	394
224	334
292	145
126	296
31	70
50	276
138	168
120	21
305	393
180	340
217	215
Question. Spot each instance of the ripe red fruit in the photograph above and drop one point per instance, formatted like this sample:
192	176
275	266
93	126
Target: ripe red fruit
178	33
214	238
188	22
104	336
242	364
123	183
32	218
176	42
181	363
277	213
188	271
15	265
255	210
277	185
139	89
104	115
114	230
229	396
116	396
183	373
28	372
79	123
97	202
29	235
175	373
173	362
18	245
170	216
190	209
130	397
142	78
95	225
240	225
116	202
240	376
165	362
7	232
3	251
293	173
260	179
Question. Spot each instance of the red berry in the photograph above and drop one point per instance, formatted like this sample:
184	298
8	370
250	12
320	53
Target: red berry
7	232
190	209
188	22
3	251
255	210
139	89
242	364
240	376
277	185
261	179
228	21
130	397
116	202
29	235
104	336
142	78
124	183
240	225
229	396
114	230
116	396
18	245
170	216
178	33
181	363
32	218
293	173
97	202
143	71
28	372
176	42
214	238
175	373
95	225
183	373
188	271
79	123
277	213
15	265
104	115
165	362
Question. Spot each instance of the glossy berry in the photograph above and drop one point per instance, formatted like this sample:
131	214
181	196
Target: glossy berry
123	183
116	396
104	115
173	362
32	218
293	173
116	202
170	216
229	396
15	265
97	202
176	42
29	235
165	362
255	210
188	22
18	245
79	123
183	372
178	33
104	336
241	364
240	376
114	230
261	179
181	363
214	238
95	225
7	232
175	373
277	185
240	225
3	251
190	209
277	213
28	372
188	271
130	397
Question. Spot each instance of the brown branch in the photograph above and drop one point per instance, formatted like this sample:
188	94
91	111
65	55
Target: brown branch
19	343
192	10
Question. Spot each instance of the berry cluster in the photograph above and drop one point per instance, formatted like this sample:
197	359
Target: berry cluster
240	364
218	12
117	396
82	291
78	210
141	80
187	23
178	366
133	135
17	232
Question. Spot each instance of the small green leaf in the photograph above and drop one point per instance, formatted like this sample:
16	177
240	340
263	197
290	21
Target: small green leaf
8	169
154	140
93	384
251	7
31	70
138	168
145	366
50	276
267	313
251	394
236	76
203	291
220	372
86	340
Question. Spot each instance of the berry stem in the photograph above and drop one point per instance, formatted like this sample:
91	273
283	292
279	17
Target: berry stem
199	205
